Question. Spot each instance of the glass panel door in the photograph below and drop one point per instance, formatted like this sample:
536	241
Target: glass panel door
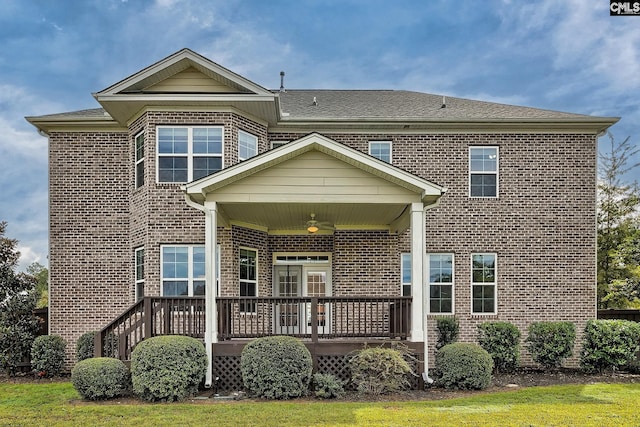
317	284
287	284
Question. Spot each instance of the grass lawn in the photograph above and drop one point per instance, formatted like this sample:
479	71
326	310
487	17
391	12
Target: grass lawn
56	404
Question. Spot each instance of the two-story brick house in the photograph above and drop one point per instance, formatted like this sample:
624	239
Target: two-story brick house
196	201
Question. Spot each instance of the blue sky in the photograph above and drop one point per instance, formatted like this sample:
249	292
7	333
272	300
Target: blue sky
568	56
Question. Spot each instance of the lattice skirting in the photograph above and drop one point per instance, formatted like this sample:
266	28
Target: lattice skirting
228	378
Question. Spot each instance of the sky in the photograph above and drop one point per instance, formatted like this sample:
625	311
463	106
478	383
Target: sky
565	55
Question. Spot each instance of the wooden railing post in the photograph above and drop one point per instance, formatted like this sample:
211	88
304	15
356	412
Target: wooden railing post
98	346
314	320
148	318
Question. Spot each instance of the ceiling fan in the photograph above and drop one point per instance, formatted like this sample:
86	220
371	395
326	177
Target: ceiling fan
313	226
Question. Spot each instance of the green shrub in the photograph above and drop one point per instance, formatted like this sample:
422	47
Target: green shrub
84	346
609	344
502	341
463	366
550	343
18	329
168	368
47	355
377	370
277	367
101	378
327	386
448	329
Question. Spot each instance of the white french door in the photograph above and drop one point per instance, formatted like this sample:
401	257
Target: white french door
301	281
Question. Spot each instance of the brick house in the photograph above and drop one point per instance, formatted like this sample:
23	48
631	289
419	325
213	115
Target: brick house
198	202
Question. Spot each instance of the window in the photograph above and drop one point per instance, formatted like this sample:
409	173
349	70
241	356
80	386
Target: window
405	262
139	159
248	278
483	283
183	270
247	145
139	267
276	144
188	153
483	171
441	283
380	150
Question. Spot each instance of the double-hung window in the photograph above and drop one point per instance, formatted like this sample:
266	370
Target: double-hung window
440	283
188	153
247	145
380	150
483	283
483	171
183	270
139	272
405	262
248	278
139	173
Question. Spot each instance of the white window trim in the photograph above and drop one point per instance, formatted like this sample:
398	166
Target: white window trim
190	279
189	154
276	144
402	282
452	283
495	284
138	281
138	161
496	173
383	142
246	248
255	138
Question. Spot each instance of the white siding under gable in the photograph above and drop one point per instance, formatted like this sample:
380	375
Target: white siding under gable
190	81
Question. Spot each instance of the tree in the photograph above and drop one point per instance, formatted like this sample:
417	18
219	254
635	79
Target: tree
618	226
41	274
18	325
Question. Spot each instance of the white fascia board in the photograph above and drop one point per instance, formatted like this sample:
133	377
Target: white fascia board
148	97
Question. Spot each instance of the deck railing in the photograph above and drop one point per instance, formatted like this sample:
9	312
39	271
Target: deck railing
314	318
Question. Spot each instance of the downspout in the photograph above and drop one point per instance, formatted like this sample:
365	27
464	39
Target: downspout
425	298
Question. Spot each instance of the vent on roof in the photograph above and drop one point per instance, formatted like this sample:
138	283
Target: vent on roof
282	81
315	101
444	102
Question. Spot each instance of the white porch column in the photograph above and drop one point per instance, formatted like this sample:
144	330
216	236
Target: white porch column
211	276
418	246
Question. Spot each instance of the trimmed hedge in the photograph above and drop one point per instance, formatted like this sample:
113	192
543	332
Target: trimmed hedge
327	386
101	378
609	344
168	368
84	346
377	370
47	355
276	367
550	343
502	341
463	366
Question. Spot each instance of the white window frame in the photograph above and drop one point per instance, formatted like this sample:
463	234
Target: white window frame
139	161
254	281
243	136
138	272
276	144
452	283
190	279
496	172
405	263
494	284
190	155
371	151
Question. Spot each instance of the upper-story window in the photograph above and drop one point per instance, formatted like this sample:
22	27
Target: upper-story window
188	153
380	150
139	140
276	144
483	171
247	145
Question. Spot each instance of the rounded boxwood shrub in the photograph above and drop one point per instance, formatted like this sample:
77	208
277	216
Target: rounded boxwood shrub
47	355
550	343
463	366
377	370
277	367
101	378
609	344
84	346
168	368
327	386
502	341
